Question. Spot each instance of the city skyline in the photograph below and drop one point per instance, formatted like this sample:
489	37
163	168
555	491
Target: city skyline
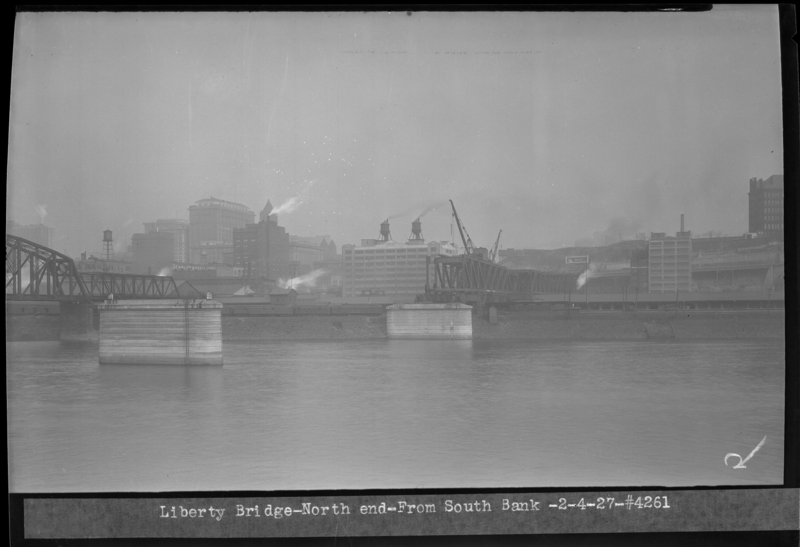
551	127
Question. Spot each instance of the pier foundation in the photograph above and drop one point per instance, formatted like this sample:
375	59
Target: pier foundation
429	321
161	332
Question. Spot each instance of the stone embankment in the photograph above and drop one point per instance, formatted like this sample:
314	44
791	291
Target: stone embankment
740	325
635	326
350	327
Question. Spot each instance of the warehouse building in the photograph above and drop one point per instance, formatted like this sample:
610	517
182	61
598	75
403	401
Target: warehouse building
670	262
384	267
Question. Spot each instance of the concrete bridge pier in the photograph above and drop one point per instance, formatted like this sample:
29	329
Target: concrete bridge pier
76	322
161	332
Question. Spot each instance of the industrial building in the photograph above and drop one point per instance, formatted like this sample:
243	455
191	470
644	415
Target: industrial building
179	228
670	262
766	207
262	249
384	267
211	225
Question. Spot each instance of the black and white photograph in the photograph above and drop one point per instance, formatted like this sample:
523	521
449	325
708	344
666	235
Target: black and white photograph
288	251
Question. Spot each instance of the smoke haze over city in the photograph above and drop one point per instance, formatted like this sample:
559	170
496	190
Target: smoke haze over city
554	127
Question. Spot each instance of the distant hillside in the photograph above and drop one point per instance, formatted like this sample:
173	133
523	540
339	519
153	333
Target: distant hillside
554	259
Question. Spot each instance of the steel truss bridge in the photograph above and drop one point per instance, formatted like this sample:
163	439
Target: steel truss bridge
36	272
471	279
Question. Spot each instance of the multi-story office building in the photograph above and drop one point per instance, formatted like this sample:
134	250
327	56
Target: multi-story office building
382	266
303	257
262	249
152	252
766	206
179	228
38	233
211	225
669	262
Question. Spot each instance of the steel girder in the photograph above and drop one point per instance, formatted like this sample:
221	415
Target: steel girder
530	282
469	277
126	286
36	272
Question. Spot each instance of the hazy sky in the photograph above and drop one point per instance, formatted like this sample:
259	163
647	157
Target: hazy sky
547	126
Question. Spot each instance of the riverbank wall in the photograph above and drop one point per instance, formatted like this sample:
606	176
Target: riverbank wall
537	326
738	325
636	326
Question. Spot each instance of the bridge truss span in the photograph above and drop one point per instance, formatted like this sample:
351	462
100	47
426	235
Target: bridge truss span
36	272
471	278
124	286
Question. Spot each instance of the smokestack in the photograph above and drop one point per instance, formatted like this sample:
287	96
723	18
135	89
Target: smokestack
385	230
681	222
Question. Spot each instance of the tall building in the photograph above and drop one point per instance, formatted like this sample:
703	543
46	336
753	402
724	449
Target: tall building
766	207
152	252
303	257
38	233
179	228
329	249
382	266
669	263
262	249
211	225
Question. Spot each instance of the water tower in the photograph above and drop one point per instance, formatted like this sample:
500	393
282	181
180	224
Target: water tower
108	245
416	232
385	235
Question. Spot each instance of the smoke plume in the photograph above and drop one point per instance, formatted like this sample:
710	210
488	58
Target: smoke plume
41	210
618	229
288	206
586	276
291	204
430	208
308	280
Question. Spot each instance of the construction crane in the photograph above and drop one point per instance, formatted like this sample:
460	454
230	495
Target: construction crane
469	248
493	252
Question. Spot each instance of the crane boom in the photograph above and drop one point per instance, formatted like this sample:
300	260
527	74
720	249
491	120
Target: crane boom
462	230
493	252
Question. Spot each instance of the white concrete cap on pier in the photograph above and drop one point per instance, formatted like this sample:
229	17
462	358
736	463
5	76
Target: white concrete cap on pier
161	332
429	321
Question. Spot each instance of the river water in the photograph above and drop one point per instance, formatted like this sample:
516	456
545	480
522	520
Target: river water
397	414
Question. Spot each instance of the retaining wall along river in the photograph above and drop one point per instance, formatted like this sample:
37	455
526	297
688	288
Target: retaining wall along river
740	325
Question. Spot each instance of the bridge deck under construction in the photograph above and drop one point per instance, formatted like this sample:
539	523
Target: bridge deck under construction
472	278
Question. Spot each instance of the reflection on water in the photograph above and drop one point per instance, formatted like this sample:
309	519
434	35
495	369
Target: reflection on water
397	414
